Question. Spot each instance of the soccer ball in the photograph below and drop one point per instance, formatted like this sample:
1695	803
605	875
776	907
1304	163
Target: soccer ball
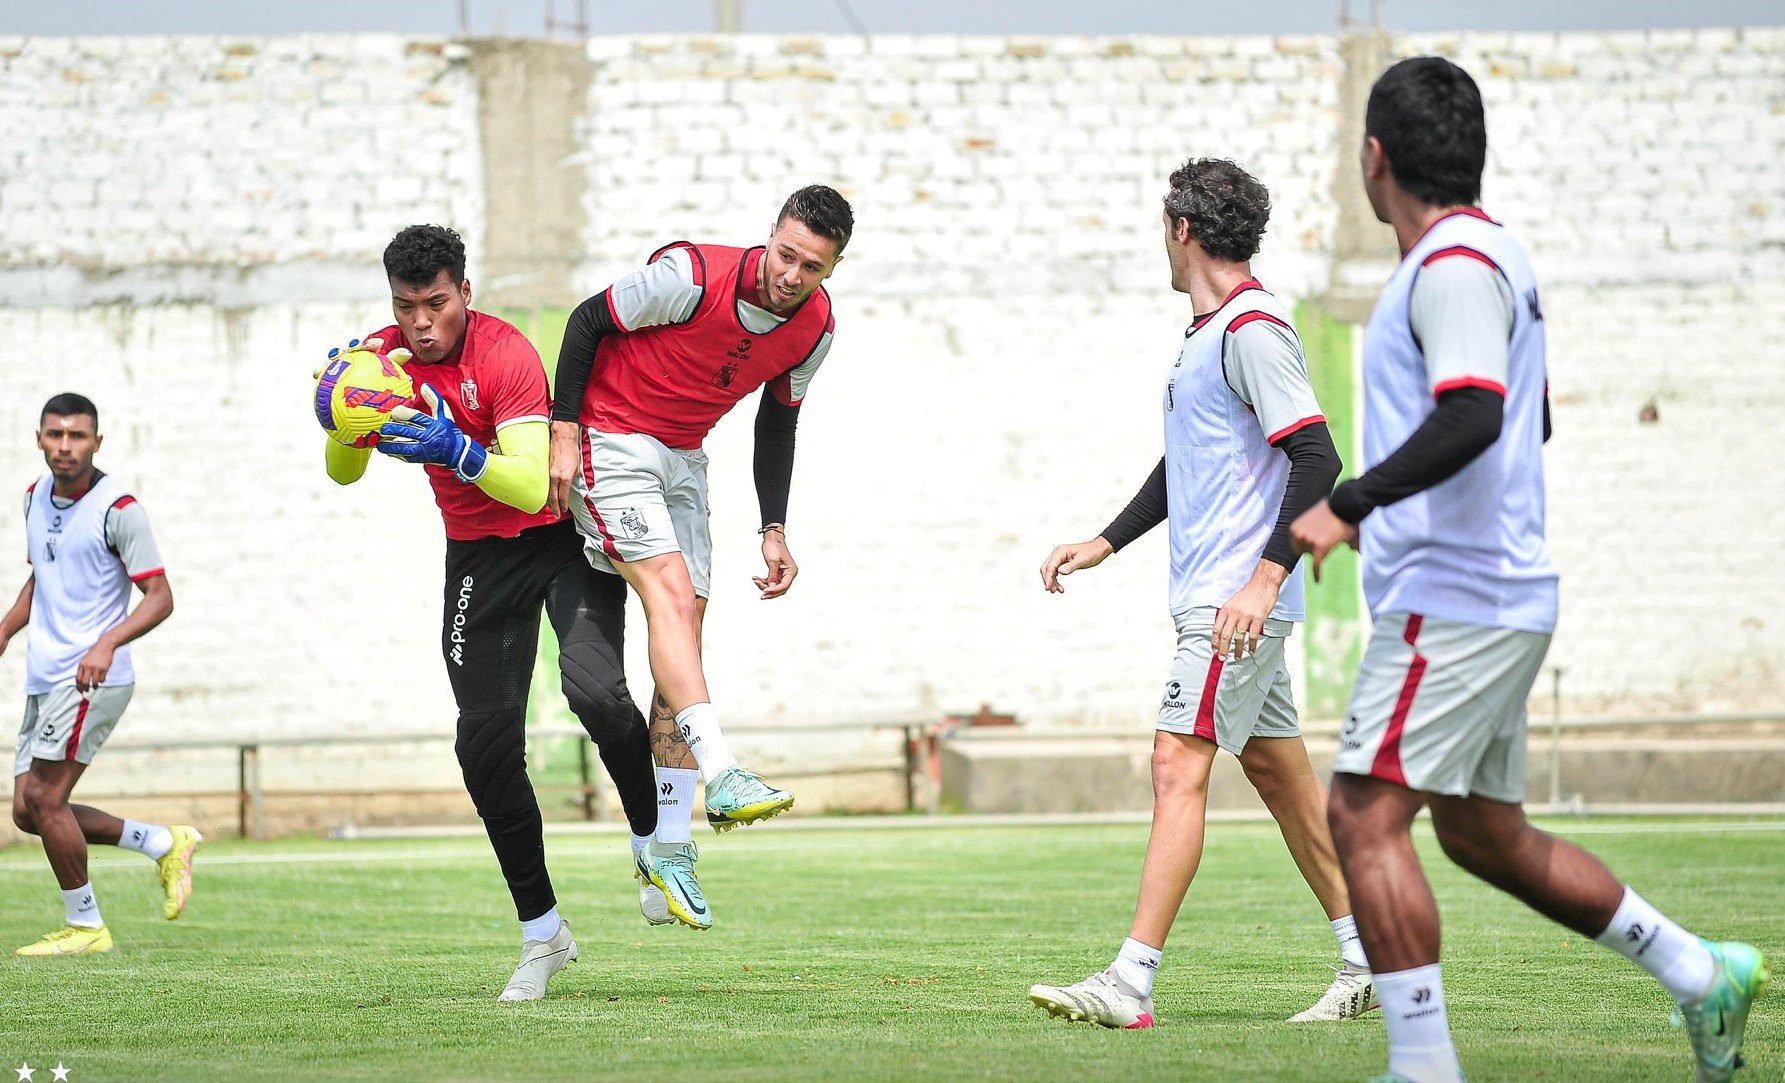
356	392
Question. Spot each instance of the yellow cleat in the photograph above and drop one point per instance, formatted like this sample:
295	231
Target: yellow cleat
71	940
174	869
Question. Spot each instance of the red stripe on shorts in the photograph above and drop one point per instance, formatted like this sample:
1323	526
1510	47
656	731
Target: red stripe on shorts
1388	757
1205	707
80	719
607	540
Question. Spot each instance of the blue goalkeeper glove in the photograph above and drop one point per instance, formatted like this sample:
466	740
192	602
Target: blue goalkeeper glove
434	437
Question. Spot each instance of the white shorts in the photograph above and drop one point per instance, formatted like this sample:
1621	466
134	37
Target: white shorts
637	498
1439	707
1225	701
63	724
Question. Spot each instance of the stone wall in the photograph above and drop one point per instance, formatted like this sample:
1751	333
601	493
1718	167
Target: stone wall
187	223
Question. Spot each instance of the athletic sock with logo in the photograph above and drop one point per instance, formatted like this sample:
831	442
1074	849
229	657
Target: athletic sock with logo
1645	936
151	839
1351	946
1135	966
82	907
675	805
700	728
1419	1045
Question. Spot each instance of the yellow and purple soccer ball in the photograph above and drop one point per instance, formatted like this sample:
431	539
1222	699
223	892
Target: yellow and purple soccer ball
356	392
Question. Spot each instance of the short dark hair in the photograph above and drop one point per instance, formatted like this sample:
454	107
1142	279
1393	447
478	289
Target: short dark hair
417	255
69	404
1225	205
1426	112
823	210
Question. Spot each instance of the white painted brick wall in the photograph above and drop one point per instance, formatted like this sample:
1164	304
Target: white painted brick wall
1003	324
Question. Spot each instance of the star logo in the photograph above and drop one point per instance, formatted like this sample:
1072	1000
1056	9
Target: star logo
25	1072
58	1074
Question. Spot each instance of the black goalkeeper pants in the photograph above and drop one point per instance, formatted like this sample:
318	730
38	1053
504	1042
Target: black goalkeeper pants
495	589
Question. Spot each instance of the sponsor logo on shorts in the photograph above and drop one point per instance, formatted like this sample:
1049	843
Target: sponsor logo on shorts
1174	693
1348	735
458	622
632	521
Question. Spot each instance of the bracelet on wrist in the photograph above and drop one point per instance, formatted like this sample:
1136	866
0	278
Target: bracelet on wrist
782	527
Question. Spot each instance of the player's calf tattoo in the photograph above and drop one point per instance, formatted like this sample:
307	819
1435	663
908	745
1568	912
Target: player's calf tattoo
668	747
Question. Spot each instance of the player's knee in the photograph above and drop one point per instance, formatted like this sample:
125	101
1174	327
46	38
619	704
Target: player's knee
21	816
41	798
1465	848
492	754
1178	767
1264	778
595	687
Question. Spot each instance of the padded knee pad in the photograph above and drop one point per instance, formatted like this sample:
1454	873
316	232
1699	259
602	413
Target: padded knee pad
596	690
492	751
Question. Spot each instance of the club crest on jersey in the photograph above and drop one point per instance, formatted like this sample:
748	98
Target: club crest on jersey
726	373
633	523
49	551
468	394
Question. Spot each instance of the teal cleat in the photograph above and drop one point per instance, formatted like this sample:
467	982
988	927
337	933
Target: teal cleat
671	871
738	797
1715	1022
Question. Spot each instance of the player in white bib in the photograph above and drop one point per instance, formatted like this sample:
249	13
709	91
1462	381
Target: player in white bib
1246	450
88	543
1449	522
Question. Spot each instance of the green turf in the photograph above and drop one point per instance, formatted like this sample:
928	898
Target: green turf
840	955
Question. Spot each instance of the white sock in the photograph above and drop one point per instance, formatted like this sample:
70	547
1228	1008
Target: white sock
1351	946
1419	1045
675	806
151	839
700	728
1645	936
1135	966
82	907
639	842
543	927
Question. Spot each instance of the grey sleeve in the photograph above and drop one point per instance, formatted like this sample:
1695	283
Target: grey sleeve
1265	367
1461	316
127	532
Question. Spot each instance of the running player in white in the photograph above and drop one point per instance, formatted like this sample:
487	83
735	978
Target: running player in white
648	366
1463	596
1246	450
89	541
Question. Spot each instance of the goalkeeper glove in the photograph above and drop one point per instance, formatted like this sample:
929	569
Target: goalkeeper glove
434	437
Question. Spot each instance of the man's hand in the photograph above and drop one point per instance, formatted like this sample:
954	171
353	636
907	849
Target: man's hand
1066	559
433	437
781	568
566	435
1240	623
94	667
1318	532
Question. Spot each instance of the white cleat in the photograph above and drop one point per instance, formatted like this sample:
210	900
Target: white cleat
652	904
1352	993
540	959
1098	999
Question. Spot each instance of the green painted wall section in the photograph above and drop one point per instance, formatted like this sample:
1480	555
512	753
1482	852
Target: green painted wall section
1335	627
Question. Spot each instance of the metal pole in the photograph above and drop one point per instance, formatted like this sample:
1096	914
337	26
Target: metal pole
464	18
728	16
242	790
582	770
1555	736
911	768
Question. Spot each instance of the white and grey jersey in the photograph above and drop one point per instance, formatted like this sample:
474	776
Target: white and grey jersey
1461	316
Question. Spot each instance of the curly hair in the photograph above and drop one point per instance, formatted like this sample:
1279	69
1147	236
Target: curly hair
1226	207
1426	112
417	255
823	210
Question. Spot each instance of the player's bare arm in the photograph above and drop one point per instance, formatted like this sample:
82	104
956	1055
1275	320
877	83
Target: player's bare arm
562	468
156	606
1240	622
781	568
19	615
1317	532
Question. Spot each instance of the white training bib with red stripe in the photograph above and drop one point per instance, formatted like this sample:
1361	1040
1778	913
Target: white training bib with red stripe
1224	480
1470	548
81	587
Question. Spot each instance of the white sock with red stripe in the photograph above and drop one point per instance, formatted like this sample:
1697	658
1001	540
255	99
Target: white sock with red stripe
1646	937
82	907
700	728
152	840
1419	1045
675	806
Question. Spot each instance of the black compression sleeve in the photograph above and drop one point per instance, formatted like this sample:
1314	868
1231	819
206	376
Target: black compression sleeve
591	321
1143	513
1313	467
1465	424
773	465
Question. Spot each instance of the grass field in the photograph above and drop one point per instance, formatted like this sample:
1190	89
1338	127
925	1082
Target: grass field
839	955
